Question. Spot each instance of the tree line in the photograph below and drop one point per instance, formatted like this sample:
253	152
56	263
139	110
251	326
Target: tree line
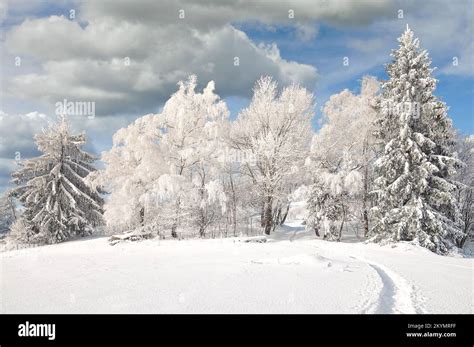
386	161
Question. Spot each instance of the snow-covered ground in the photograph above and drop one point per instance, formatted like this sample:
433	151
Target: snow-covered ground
291	272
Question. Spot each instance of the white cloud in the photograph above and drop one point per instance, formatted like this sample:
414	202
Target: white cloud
214	13
3	10
16	138
84	59
89	64
16	133
306	32
444	28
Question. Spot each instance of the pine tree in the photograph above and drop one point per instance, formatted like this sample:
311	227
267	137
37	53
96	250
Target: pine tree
416	200
58	202
8	213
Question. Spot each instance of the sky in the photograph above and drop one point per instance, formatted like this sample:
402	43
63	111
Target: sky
127	56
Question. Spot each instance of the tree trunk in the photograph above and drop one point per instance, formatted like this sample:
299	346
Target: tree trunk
174	227
365	196
174	234
262	216
342	224
202	222
267	217
202	210
277	216
142	216
234	206
365	212
285	215
12	207
366	223
316	231
234	217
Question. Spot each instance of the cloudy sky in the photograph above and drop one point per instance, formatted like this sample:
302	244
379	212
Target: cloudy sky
127	56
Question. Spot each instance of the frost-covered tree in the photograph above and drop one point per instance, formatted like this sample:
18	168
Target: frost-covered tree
241	198
334	197
191	143
326	210
132	166
416	196
8	211
340	162
230	178
58	202
162	171
465	182
273	132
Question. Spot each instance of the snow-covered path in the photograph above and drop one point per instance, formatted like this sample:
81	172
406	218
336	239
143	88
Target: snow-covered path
290	273
396	295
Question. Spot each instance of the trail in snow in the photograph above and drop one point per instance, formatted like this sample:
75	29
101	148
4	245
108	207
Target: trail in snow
396	294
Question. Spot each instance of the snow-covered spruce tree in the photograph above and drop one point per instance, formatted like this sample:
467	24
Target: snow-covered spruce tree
58	203
416	197
274	131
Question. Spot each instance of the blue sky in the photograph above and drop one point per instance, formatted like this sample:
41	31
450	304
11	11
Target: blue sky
82	58
326	53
